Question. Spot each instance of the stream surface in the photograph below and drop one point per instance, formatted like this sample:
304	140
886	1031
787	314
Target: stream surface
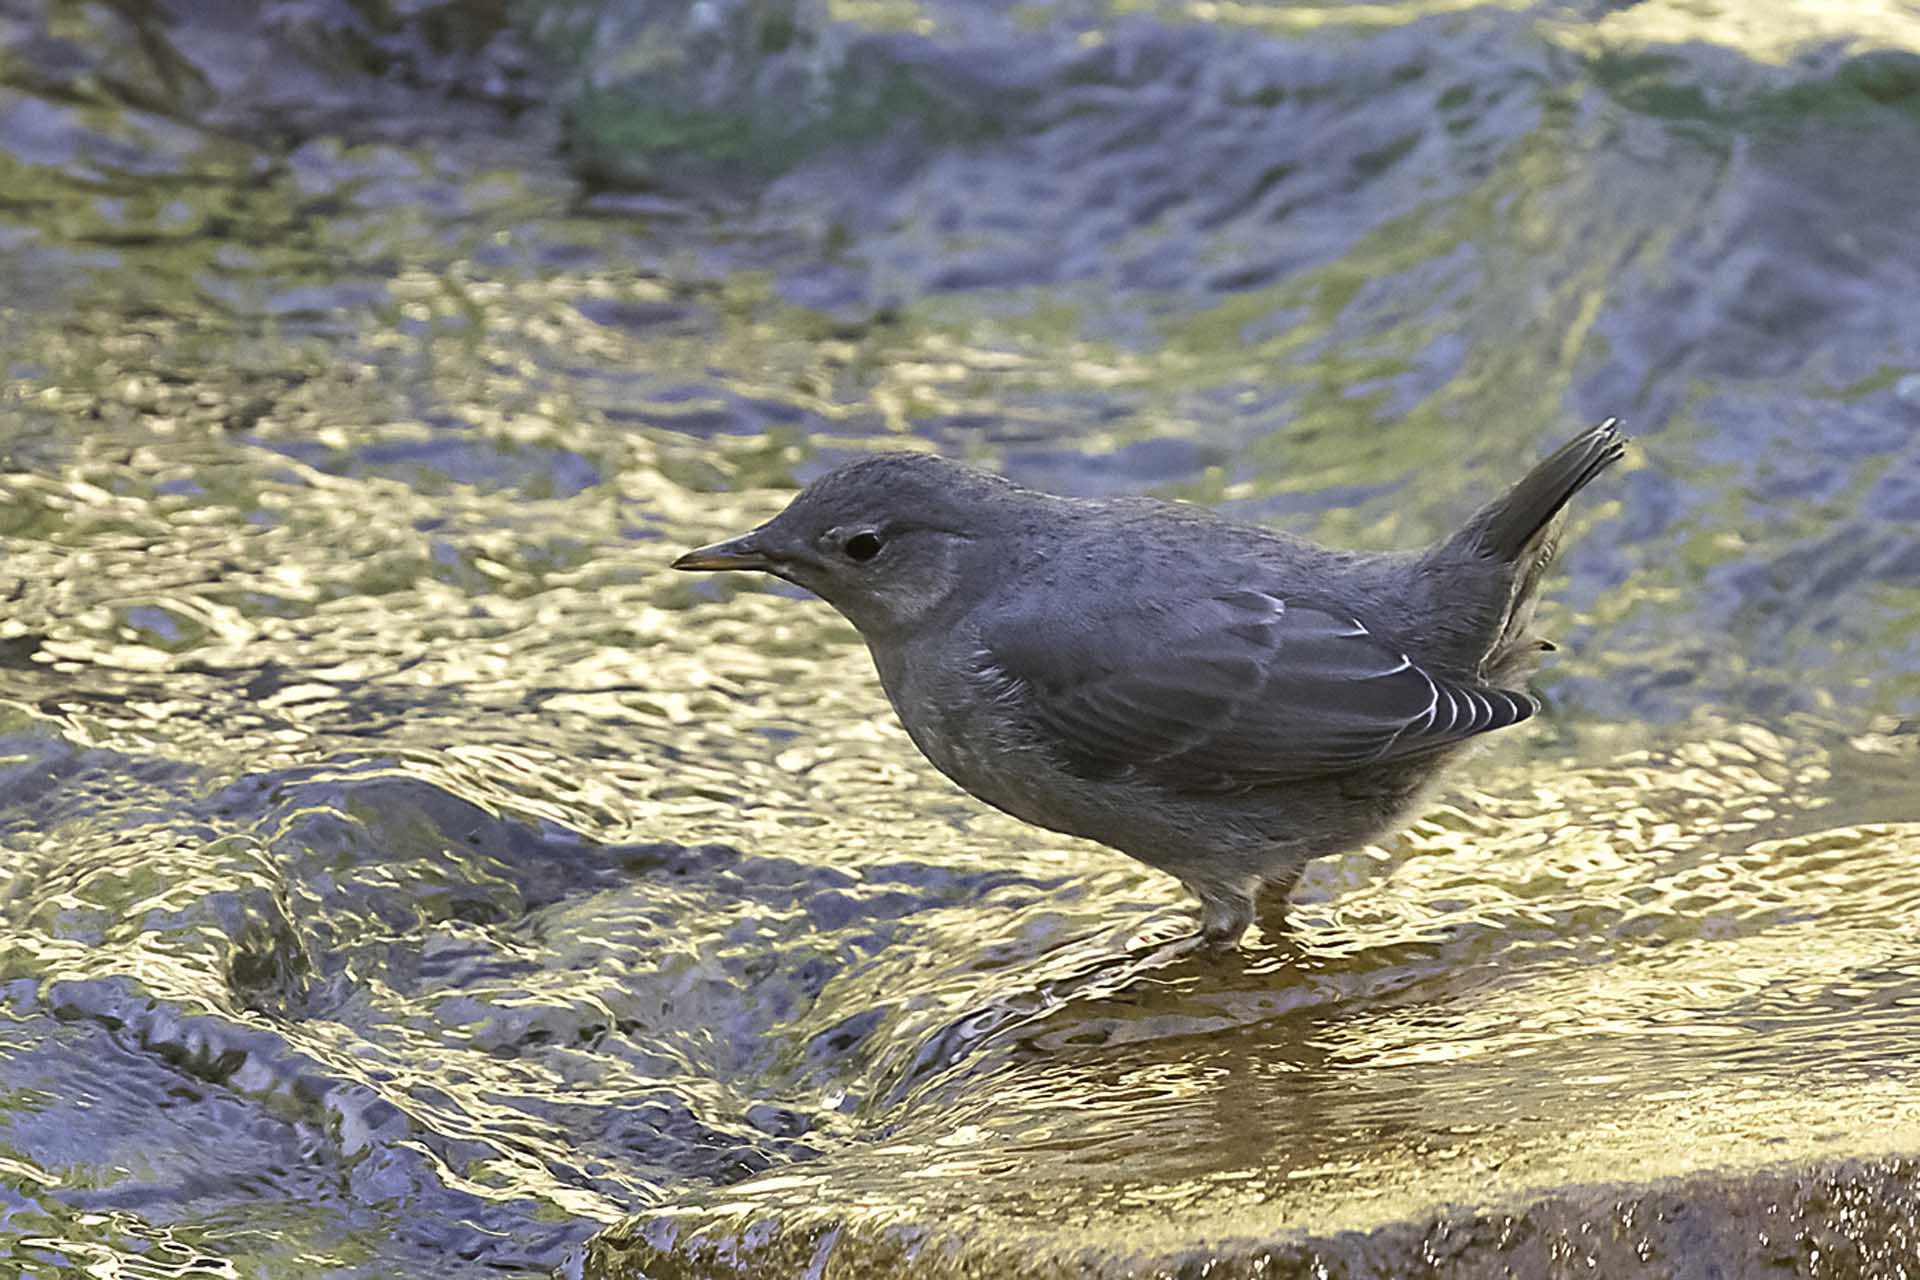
403	874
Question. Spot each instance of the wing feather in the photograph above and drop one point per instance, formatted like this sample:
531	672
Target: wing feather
1239	687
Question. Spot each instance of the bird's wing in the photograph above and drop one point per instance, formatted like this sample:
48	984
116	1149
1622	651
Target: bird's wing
1233	688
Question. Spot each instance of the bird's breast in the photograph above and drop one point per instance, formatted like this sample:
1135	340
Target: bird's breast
966	718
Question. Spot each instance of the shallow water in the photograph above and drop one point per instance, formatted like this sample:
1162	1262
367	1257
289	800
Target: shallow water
406	874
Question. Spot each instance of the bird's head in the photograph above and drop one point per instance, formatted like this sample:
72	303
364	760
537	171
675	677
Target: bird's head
887	540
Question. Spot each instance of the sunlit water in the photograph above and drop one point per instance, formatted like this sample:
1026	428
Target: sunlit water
407	875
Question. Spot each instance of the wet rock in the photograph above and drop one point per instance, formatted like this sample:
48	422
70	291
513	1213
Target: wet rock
1845	1219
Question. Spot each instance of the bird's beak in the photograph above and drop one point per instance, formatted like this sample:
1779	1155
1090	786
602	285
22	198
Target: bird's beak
743	552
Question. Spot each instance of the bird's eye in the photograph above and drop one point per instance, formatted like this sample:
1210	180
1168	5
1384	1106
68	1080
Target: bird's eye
863	546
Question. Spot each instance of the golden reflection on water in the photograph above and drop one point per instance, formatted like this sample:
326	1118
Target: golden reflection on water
1776	32
1546	979
1673	962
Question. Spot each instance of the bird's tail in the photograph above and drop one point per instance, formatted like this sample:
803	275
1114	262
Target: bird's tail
1515	528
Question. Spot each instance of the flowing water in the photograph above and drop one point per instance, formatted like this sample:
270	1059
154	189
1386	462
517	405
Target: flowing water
405	874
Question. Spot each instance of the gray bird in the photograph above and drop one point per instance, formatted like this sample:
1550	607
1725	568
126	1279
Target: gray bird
1220	701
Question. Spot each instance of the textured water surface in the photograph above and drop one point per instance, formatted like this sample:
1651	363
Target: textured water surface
405	874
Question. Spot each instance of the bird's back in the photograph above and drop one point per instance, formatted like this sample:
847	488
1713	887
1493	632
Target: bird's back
1120	561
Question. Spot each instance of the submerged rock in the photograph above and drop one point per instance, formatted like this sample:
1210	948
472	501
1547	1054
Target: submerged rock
1848	1218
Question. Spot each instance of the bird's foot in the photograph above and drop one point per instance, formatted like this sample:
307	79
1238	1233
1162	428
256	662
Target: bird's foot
1224	917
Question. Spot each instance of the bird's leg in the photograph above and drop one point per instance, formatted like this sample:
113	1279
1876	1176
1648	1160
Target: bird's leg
1226	909
1270	913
